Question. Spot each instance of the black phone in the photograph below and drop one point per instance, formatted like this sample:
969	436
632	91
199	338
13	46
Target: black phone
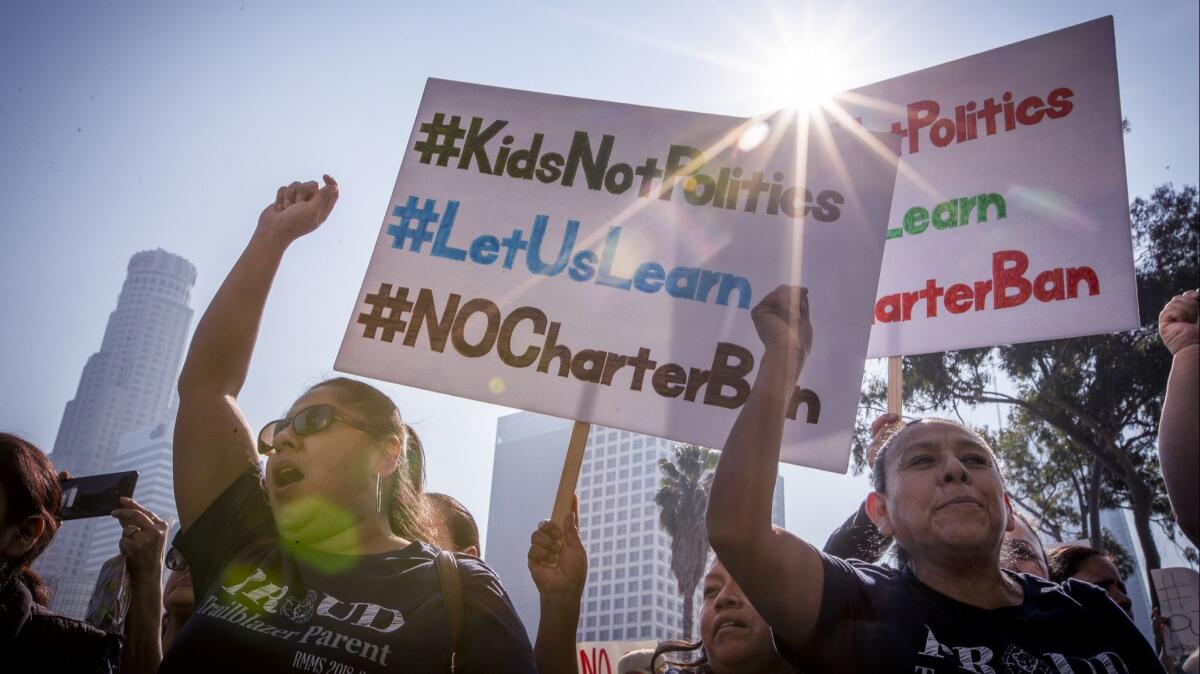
96	495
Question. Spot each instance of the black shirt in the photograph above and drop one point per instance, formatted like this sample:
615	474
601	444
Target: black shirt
32	639
876	619
265	606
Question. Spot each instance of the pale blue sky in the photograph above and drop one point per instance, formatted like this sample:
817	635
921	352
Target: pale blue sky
134	125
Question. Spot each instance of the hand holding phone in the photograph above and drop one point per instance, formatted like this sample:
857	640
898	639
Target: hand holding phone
96	495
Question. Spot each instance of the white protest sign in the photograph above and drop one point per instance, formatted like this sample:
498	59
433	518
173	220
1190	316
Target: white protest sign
602	657
1178	590
1010	219
532	255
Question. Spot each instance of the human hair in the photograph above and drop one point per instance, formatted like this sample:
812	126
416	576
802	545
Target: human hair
1065	561
698	666
1041	549
458	520
890	440
31	488
408	512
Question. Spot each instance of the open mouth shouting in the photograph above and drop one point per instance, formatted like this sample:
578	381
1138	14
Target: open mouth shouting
285	474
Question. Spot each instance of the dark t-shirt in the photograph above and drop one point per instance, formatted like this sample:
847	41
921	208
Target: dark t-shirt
32	639
876	619
265	606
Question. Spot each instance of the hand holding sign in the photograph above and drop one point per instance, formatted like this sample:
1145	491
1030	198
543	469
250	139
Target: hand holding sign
558	560
1179	322
298	209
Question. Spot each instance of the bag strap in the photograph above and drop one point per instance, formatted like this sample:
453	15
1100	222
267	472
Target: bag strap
452	593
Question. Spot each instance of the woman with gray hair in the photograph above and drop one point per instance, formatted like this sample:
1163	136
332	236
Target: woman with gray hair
939	493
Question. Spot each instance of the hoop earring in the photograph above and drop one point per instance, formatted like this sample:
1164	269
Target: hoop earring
378	493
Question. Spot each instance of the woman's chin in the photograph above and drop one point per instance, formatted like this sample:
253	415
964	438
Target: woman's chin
310	519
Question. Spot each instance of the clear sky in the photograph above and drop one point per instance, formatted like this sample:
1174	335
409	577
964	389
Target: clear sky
134	125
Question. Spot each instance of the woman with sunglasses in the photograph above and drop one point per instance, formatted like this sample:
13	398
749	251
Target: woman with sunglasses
939	493
313	564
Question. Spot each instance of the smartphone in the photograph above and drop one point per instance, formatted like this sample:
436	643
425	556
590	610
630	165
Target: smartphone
96	495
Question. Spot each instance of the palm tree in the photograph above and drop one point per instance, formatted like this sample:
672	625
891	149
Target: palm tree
681	498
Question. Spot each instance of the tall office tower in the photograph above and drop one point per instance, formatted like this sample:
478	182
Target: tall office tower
128	384
631	593
1116	521
148	451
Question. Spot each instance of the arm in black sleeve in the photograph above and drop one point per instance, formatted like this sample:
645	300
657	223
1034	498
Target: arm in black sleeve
857	538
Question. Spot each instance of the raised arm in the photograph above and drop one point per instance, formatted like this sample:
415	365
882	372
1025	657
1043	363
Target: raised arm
781	575
213	441
1179	427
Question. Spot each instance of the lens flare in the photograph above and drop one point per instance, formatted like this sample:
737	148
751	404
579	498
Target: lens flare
753	136
496	386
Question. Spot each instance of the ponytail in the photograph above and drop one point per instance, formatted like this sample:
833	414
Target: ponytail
408	511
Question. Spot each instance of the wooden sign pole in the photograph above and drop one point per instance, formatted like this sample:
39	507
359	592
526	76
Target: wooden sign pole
895	385
570	473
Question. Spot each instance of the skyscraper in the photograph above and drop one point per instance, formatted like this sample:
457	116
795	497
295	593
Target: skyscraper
128	384
631	593
148	451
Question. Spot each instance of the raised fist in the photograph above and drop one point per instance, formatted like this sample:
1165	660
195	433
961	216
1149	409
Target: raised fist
298	209
1179	322
781	319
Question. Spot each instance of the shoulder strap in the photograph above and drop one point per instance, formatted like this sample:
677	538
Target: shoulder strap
452	593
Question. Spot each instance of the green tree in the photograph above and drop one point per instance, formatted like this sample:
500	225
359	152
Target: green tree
682	497
1084	412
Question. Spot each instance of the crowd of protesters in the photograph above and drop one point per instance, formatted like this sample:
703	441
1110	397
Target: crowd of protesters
312	545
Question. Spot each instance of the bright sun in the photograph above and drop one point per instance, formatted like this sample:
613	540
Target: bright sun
801	79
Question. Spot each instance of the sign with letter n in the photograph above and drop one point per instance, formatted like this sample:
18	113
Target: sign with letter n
598	261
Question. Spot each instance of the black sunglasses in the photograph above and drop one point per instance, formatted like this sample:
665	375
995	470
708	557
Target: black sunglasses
306	422
175	560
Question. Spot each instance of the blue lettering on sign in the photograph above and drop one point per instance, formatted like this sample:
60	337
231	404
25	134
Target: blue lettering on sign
547	253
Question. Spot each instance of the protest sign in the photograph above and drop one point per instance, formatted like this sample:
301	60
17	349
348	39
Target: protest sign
1010	219
1178	590
602	657
598	262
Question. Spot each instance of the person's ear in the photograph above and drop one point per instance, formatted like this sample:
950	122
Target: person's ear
390	457
878	512
29	531
1011	517
471	550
